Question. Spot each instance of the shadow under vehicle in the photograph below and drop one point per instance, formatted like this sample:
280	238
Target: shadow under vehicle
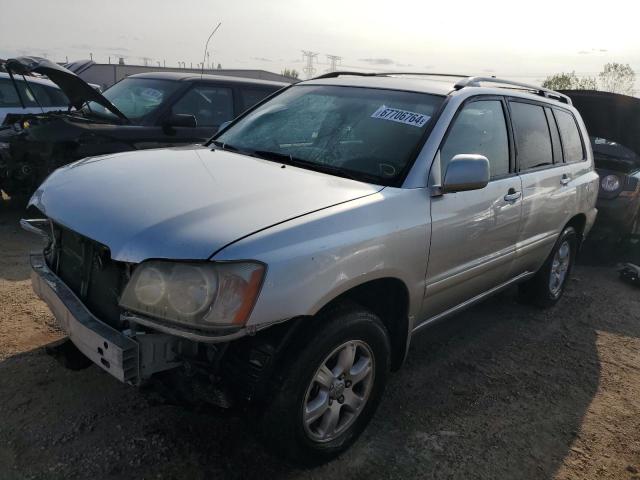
142	111
613	122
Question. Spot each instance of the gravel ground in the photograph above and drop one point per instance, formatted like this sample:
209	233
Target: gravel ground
502	391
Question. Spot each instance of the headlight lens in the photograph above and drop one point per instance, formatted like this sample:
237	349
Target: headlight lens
610	183
202	294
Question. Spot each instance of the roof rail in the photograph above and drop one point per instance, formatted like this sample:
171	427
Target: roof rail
385	74
544	92
426	74
337	74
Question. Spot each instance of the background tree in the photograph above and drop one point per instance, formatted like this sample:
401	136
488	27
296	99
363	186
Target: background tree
291	73
569	81
617	78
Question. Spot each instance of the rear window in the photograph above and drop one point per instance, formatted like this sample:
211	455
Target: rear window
57	98
9	97
531	131
570	135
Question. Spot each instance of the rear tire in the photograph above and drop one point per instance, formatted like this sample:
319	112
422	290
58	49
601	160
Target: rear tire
547	286
329	388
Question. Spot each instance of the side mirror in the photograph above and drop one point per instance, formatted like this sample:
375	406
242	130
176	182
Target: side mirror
466	172
181	120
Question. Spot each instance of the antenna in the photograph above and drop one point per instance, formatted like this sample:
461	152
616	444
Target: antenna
333	62
206	46
309	69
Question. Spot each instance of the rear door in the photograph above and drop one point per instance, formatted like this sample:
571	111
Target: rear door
546	202
474	232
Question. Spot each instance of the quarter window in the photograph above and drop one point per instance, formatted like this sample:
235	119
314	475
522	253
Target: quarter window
571	142
212	106
531	132
479	129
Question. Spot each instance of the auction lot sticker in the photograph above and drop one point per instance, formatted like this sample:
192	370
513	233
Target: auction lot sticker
401	116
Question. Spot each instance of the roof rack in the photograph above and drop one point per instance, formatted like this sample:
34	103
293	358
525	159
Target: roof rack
386	74
544	92
465	81
337	74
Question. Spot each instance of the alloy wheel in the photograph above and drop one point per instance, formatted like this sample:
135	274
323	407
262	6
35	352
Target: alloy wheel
338	391
559	268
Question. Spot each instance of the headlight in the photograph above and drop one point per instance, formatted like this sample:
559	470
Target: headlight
610	183
204	294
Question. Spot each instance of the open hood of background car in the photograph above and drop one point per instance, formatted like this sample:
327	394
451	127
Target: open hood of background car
77	90
609	115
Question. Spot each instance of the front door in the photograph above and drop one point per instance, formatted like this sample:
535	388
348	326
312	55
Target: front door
210	104
474	232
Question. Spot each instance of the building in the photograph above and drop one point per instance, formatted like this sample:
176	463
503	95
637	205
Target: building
106	74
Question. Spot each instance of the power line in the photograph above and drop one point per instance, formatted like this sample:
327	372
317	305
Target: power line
333	62
309	57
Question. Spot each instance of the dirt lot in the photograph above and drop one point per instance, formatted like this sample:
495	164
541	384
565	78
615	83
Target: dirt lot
502	391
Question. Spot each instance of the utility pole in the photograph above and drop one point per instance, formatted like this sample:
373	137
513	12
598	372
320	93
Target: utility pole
309	69
333	62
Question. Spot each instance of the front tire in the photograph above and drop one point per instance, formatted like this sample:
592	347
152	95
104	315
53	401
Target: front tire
547	286
329	388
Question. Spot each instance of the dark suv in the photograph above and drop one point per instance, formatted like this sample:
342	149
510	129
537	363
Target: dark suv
613	122
142	111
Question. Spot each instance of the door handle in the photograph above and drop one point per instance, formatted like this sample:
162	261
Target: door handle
512	195
565	179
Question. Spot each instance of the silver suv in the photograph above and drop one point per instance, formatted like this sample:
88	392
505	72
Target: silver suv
288	262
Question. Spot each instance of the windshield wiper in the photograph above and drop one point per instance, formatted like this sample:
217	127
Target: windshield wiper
319	167
230	148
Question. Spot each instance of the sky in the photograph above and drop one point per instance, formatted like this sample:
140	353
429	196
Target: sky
520	40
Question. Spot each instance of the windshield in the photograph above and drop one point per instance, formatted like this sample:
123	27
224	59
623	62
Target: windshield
363	133
135	97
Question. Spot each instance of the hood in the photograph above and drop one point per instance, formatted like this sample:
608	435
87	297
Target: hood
609	116
183	203
77	90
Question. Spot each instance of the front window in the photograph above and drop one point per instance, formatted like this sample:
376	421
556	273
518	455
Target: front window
364	133
135	97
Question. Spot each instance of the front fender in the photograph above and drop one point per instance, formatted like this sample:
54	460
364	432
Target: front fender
313	259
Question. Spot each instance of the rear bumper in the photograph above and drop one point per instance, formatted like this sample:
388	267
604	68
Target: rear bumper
108	348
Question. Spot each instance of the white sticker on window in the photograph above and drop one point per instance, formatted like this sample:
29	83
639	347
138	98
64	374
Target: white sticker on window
401	116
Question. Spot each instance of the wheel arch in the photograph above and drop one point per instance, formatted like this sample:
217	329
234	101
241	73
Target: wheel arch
388	298
578	222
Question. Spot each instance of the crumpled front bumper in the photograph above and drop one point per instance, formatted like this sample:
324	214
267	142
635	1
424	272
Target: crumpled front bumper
108	348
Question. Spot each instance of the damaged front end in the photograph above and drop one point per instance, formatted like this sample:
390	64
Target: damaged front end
33	145
83	287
